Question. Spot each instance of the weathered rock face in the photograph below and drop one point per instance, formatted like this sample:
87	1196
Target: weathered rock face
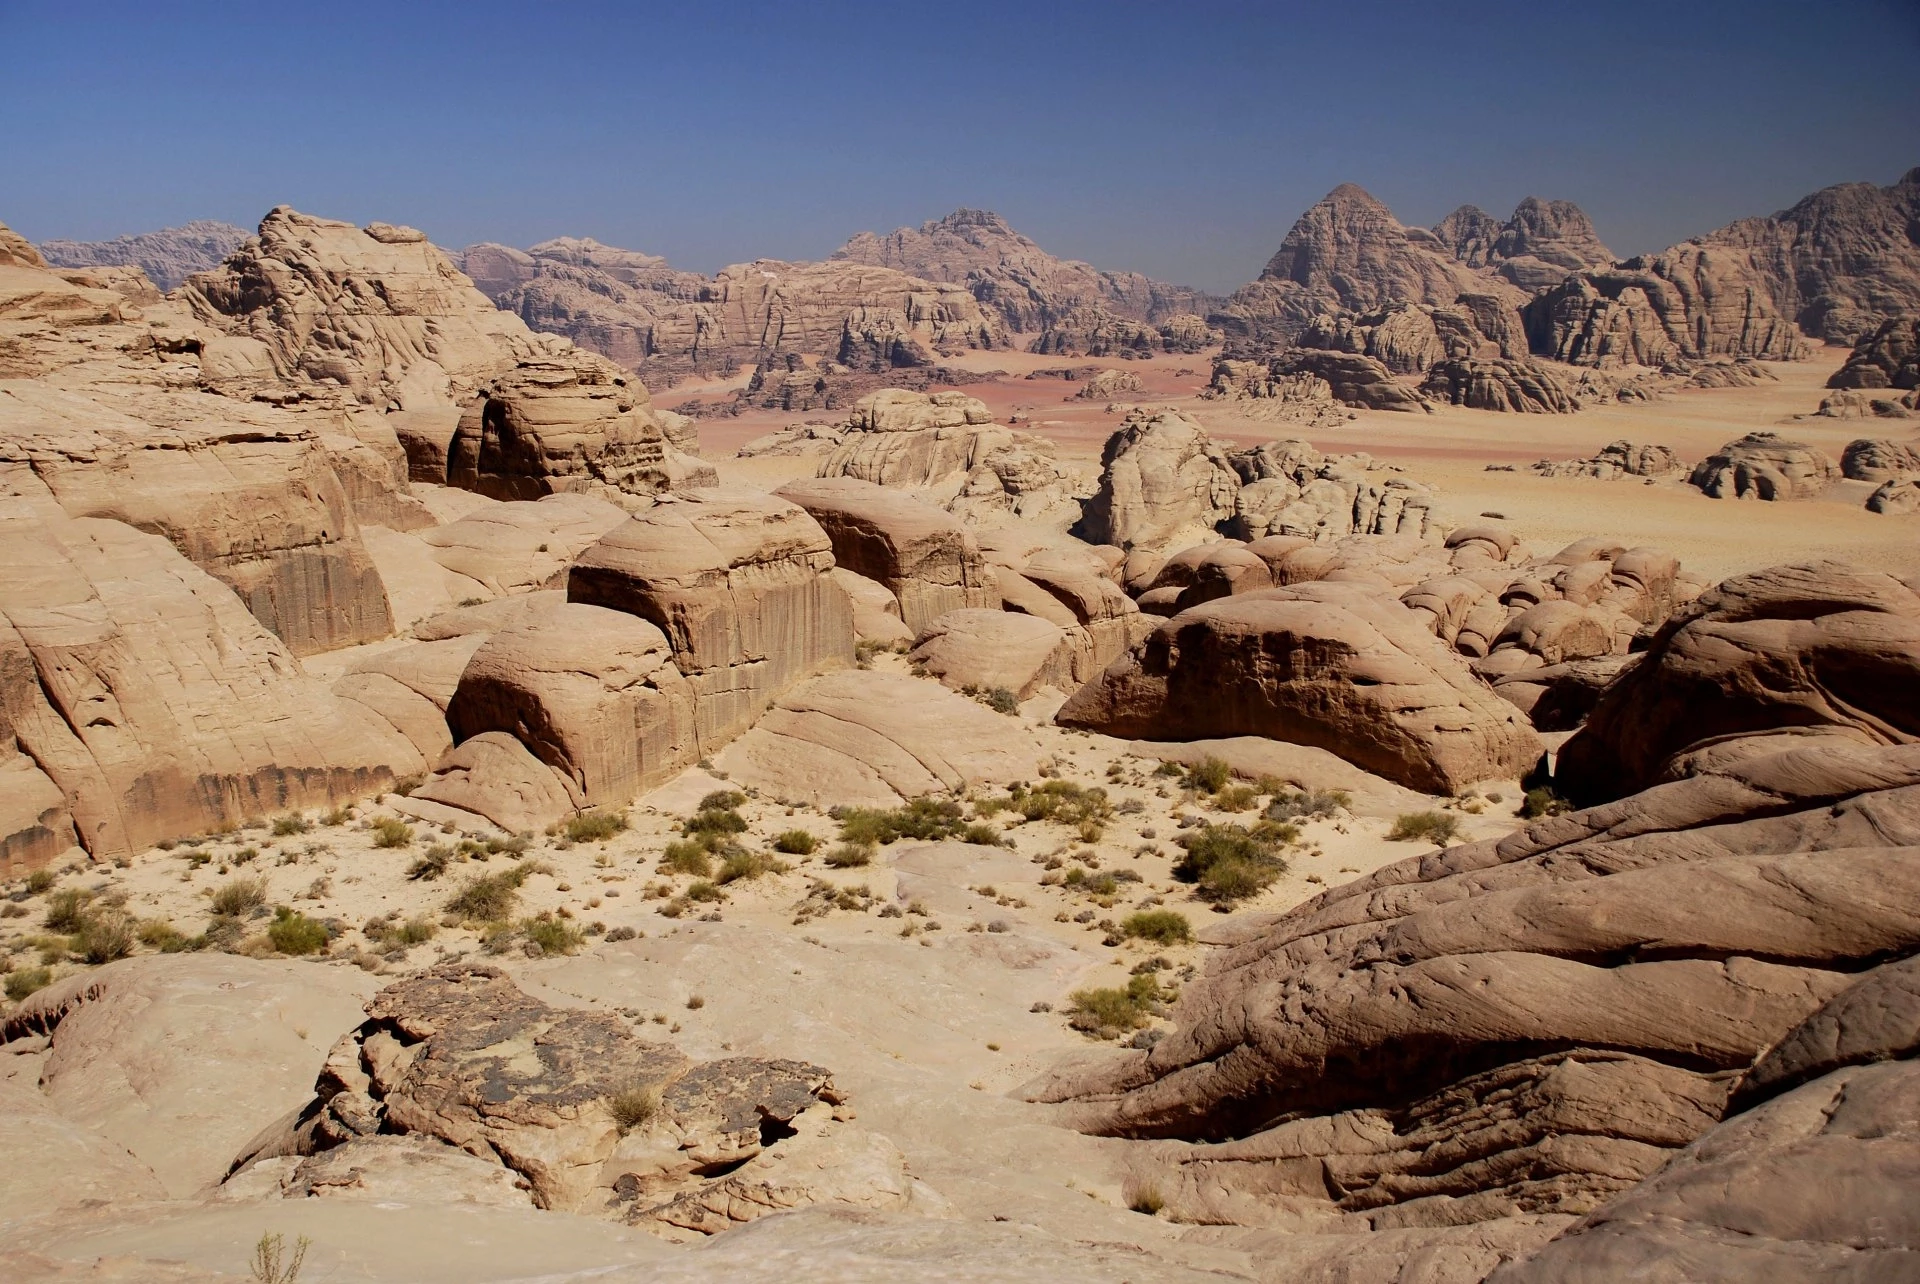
1161	480
1527	1025
441	1058
168	256
1408	338
153	702
1889	357
1289	488
1353	379
1896	497
992	650
592	693
570	422
1348	253
1028	288
930	562
1821	650
899	438
1335	666
1616	459
1762	465
17	251
344	312
739	584
1543	241
1519	385
872	739
1095	332
1831	1104
1880	460
1691	301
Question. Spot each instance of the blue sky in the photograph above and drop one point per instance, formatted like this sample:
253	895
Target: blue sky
1177	139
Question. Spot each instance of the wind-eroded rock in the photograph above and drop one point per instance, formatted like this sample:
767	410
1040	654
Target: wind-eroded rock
930	561
1162	479
1330	665
1763	465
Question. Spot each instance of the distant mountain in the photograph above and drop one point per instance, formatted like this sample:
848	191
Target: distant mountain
168	256
1032	290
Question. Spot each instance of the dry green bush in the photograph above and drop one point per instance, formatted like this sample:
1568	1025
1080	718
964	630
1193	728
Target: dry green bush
1437	827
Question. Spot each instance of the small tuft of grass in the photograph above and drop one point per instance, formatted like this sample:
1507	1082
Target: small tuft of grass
430	866
1436	827
239	896
288	825
850	855
391	831
104	937
1236	798
702	890
1162	926
687	858
292	932
635	1106
796	842
1002	700
594	826
745	864
39	881
27	981
489	898
272	1264
1142	1197
163	936
1314	804
925	819
717	821
722	800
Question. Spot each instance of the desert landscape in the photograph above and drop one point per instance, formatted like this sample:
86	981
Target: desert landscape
943	761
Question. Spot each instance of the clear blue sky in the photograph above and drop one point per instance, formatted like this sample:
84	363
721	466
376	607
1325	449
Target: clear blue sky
1180	139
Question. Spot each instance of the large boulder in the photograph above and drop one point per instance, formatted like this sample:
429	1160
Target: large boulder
930	562
142	689
1763	465
1525	1025
874	739
1003	650
1162	480
1337	666
739	582
1821	650
591	692
1873	459
1289	488
1515	384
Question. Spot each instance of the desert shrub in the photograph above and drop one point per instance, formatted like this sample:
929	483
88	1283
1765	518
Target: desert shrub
1001	700
687	858
289	824
1228	862
1281	833
433	864
796	842
39	881
294	933
1163	926
489	898
702	890
981	835
850	855
1437	827
28	980
337	817
1542	801
1235	797
745	864
553	935
391	831
417	930
593	826
865	649
67	910
1142	1196
104	937
163	936
635	1106
714	822
622	934
1208	775
1316	804
1082	807
272	1264
1107	1012
926	819
723	800
239	896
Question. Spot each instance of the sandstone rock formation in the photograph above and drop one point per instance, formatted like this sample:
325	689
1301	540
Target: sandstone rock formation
1408	338
1896	497
1688	302
929	561
1616	459
1329	665
1763	465
1028	288
979	650
1289	488
1537	247
874	739
1520	385
1161	479
168	256
739	584
1470	1034
434	1062
1888	357
901	438
1880	460
1351	379
1821	653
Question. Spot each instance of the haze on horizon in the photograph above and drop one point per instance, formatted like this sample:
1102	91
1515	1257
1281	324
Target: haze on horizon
1181	142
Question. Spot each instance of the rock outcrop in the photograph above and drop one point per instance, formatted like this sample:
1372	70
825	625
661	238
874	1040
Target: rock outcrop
1616	459
1329	665
1520	385
1409	338
899	438
739	583
434	1062
1289	488
1536	248
926	558
1887	357
1162	479
1801	654
168	256
1764	465
1878	459
977	650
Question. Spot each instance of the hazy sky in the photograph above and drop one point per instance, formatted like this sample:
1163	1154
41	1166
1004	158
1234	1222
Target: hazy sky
1179	139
